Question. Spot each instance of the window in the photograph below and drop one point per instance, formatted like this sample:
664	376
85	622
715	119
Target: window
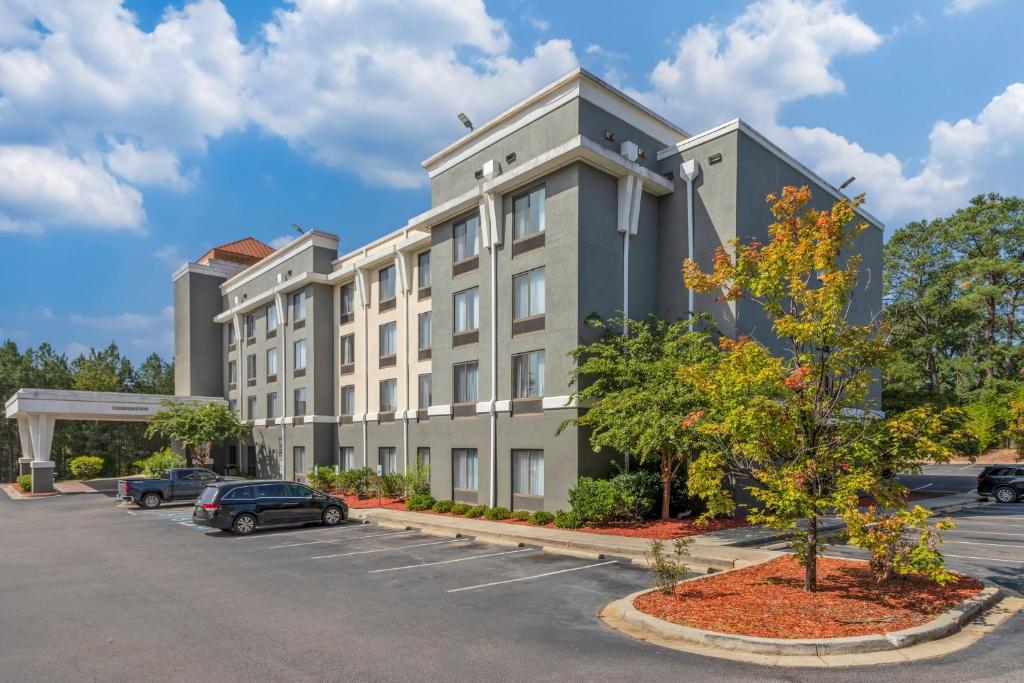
423	341
348	349
528	294
386	279
348	458
250	325
529	214
231	333
250	465
232	371
299	359
465	239
465	378
299	306
424	395
388	339
271	318
240	493
528	473
422	458
464	469
271	361
388	459
423	269
272	405
348	399
250	366
348	304
528	374
388	395
300	401
250	407
299	464
233	405
467	310
275	490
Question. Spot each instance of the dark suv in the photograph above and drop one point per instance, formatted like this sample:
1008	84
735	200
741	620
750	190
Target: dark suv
1005	483
241	506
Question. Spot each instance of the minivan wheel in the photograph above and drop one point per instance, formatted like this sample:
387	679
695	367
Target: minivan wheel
244	524
333	516
1005	494
150	501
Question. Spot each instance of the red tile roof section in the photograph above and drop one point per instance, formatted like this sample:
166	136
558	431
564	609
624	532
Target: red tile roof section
247	251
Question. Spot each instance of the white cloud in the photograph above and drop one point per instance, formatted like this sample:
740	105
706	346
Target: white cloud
282	241
135	331
41	187
170	256
367	88
46	313
159	167
965	6
75	349
540	25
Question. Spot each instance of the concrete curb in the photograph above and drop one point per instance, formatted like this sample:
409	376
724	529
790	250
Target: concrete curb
946	624
15	494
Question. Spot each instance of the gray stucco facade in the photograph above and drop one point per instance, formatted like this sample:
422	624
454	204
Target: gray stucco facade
614	218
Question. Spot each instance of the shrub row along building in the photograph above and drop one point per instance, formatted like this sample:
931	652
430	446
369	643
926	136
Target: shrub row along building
447	341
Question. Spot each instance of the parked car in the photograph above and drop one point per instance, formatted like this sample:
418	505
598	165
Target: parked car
242	507
1005	483
182	483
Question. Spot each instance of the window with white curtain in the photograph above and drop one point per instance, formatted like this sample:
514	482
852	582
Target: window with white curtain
348	399
388	458
347	296
300	401
348	349
388	339
465	239
464	382
386	280
423	342
423	269
271	318
528	472
424	392
272	405
528	375
299	306
271	361
299	356
464	469
348	457
467	310
529	214
389	395
528	294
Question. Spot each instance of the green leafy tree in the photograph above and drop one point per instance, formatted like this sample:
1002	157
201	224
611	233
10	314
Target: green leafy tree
197	427
155	376
634	405
799	425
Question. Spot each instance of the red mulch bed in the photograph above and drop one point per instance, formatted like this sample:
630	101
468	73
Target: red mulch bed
356	502
768	601
656	529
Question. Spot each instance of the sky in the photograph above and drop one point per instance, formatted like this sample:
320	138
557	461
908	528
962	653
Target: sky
135	135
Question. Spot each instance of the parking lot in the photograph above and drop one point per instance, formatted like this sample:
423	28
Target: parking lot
97	591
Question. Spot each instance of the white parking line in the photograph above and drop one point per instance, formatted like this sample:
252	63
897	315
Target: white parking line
965	524
458	559
295	531
979	531
967	467
998	545
338	540
922	487
986	559
528	578
386	550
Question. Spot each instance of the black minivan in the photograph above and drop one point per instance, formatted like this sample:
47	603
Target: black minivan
1005	483
241	506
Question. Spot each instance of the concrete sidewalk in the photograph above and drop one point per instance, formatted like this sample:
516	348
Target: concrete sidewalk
563	541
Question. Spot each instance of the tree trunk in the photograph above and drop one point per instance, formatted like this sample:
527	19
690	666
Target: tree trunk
666	487
933	373
811	560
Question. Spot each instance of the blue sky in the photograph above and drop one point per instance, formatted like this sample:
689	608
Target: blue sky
135	135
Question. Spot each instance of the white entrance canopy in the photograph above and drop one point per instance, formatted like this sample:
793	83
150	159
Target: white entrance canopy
36	411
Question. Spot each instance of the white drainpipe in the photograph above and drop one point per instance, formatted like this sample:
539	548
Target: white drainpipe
494	375
689	170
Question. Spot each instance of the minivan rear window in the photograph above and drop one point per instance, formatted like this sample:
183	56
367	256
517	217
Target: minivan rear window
240	493
208	495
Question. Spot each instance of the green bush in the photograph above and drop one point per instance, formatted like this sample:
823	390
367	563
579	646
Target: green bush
637	494
568	520
323	479
595	501
443	506
541	517
419	501
668	569
157	465
520	515
476	511
359	482
85	466
392	485
461	508
417	481
25	482
497	514
988	419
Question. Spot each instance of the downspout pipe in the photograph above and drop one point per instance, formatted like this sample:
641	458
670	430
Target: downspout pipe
494	375
688	171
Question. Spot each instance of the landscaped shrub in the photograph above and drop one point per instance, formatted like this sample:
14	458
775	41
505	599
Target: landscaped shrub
520	515
890	538
417	481
541	517
392	485
595	501
25	482
476	511
443	506
420	501
568	520
85	466
497	514
638	493
157	465
461	508
323	479
359	482
668	570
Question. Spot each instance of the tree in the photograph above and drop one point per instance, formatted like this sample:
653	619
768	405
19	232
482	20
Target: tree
155	376
105	370
800	425
197	427
634	404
